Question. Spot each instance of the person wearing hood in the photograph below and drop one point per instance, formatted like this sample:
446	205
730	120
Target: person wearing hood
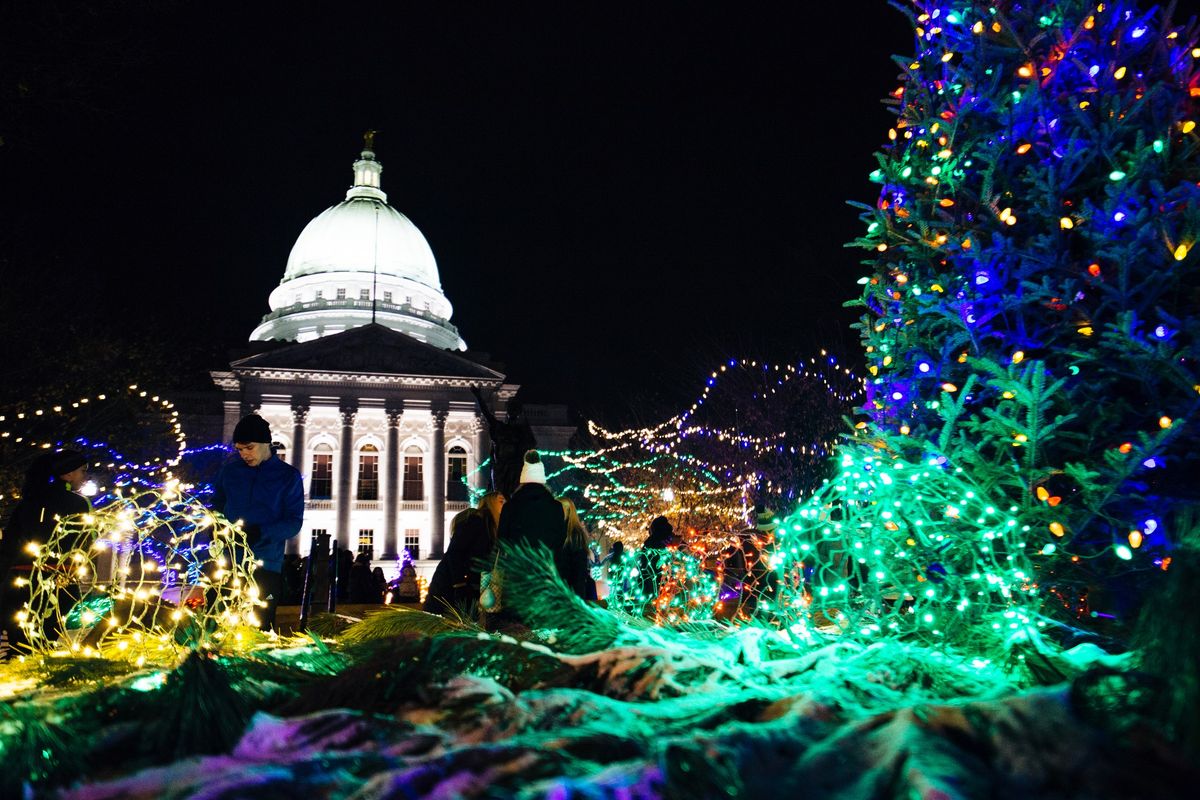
662	535
267	495
650	558
47	495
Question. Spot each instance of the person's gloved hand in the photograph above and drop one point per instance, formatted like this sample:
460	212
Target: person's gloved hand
253	534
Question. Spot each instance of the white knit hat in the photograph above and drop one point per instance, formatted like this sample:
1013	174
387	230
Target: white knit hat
532	471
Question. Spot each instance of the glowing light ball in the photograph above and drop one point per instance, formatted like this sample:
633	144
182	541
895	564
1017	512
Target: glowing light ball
142	579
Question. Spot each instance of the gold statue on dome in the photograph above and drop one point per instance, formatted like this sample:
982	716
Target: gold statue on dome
369	139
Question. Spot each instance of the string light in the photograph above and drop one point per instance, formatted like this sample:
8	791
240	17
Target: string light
677	589
961	343
151	575
153	471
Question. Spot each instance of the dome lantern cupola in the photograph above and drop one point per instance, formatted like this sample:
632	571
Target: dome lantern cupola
367	172
358	262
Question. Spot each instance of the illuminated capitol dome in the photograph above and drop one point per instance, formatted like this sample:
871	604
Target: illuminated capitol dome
368	388
357	262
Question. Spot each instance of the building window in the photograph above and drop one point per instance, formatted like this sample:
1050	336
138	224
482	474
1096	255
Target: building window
366	541
387	297
364	294
412	542
321	487
341	294
368	472
408	300
414	475
456	475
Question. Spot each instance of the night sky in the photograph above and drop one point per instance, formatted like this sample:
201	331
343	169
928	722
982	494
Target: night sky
618	195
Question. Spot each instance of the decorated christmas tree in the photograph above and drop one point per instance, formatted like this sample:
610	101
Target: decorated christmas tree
1029	455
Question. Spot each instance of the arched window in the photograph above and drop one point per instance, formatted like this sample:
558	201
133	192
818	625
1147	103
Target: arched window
321	487
456	475
414	474
368	472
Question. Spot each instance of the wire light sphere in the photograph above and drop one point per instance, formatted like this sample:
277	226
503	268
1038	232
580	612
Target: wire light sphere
143	579
676	590
917	550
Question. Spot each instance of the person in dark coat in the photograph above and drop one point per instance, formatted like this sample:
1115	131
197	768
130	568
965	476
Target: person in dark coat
345	564
378	585
46	496
650	557
361	583
610	570
572	558
532	516
455	582
267	495
293	578
662	535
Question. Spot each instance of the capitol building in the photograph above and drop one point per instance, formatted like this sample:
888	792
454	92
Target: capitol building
367	385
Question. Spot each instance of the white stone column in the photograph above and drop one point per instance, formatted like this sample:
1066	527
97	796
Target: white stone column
345	493
437	495
483	451
300	410
299	420
394	458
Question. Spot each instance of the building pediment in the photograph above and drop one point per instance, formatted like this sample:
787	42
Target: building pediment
369	350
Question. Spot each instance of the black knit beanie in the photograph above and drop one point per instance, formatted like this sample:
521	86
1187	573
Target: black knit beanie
66	461
251	429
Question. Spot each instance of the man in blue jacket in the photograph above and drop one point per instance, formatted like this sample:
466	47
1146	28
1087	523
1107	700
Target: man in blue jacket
267	495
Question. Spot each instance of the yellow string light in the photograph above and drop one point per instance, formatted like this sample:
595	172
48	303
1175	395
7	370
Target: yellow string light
156	403
142	579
